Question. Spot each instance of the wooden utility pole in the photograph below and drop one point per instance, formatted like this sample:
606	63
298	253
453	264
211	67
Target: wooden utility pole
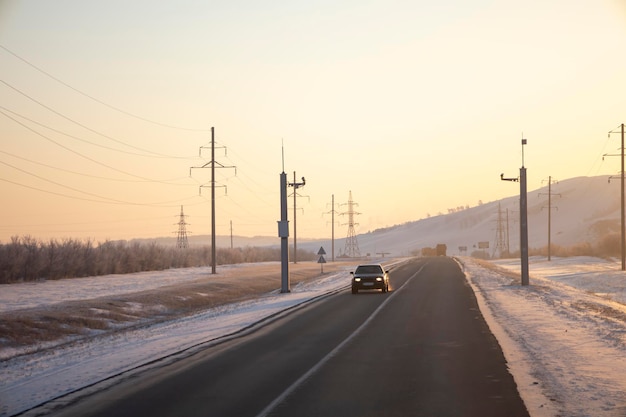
295	186
550	216
212	164
623	227
623	211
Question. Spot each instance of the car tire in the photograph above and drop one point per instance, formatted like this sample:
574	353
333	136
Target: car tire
355	290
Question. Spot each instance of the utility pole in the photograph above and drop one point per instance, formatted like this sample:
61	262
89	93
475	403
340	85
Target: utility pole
508	241
550	216
283	233
623	211
332	256
212	165
509	222
231	234
523	212
332	212
295	186
523	219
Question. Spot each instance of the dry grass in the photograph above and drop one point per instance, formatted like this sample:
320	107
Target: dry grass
500	270
31	328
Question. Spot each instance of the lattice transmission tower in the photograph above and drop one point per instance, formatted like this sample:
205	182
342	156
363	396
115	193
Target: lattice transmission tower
502	231
181	241
352	246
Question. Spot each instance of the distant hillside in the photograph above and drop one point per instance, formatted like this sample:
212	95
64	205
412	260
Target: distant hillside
584	209
221	241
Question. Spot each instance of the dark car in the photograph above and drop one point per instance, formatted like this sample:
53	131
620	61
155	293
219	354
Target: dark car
370	277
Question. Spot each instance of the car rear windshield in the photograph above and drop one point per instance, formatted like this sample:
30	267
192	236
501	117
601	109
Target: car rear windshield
369	269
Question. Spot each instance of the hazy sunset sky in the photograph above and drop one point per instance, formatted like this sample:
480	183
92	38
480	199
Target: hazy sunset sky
414	106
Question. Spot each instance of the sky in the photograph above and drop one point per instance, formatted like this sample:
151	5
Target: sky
412	107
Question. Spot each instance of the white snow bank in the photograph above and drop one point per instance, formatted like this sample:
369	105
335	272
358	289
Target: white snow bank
565	345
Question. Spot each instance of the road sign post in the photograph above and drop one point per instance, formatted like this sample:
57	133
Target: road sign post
321	260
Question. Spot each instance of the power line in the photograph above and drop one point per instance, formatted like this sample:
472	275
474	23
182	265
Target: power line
104	199
78	153
95	99
90	142
87	223
84	174
76	122
161	204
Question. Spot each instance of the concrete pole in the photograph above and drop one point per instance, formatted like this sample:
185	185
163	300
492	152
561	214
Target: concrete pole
283	233
523	213
333	229
622	210
213	261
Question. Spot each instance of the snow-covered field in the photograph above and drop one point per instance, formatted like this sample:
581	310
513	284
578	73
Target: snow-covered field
564	336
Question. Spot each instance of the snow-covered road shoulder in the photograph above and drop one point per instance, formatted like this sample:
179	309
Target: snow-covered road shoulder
565	345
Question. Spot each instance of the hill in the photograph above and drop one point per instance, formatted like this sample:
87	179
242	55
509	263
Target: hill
583	210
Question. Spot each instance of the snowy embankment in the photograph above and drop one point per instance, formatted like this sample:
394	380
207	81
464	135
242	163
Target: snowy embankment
563	336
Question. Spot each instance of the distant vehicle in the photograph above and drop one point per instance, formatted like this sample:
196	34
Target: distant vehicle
441	249
370	277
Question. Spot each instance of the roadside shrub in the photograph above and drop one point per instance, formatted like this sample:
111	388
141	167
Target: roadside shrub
610	245
480	254
26	259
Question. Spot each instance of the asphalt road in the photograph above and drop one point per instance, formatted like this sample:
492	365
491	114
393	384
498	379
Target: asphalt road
423	349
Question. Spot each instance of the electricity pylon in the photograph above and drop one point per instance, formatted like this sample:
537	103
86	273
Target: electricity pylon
352	246
501	238
181	240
